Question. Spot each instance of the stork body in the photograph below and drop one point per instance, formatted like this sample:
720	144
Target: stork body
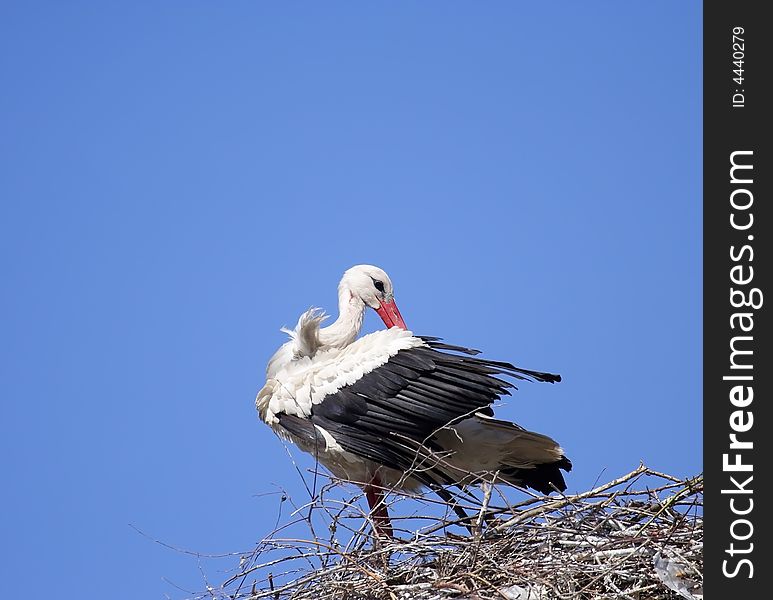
396	410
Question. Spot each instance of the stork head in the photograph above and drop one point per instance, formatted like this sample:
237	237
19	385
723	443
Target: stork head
373	286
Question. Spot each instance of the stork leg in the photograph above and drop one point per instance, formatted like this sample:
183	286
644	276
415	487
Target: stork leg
378	508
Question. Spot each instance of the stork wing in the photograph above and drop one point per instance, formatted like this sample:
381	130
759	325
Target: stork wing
394	409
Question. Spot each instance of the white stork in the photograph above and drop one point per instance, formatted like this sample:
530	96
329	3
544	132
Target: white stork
395	410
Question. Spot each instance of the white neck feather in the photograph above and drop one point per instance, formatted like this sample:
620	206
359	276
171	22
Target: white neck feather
351	311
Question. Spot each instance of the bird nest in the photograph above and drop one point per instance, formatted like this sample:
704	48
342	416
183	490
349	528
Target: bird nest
637	537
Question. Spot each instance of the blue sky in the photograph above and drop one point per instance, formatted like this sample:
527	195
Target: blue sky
180	179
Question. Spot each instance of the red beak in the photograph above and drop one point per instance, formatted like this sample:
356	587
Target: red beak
390	315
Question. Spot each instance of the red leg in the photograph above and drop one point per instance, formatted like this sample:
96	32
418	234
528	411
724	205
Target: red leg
378	507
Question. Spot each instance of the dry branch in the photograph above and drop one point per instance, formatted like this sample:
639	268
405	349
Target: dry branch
638	537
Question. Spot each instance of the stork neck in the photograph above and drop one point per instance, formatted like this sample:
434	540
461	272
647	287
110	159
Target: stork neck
351	311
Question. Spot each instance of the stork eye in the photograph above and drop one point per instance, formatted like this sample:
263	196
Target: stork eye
379	285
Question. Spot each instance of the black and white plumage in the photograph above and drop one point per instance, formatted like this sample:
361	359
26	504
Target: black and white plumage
393	409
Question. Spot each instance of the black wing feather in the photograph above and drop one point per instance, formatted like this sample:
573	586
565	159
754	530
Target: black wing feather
392	411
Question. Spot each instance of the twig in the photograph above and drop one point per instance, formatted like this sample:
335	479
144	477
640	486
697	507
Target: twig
596	544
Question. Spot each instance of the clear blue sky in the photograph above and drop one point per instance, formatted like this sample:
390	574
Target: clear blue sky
180	179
